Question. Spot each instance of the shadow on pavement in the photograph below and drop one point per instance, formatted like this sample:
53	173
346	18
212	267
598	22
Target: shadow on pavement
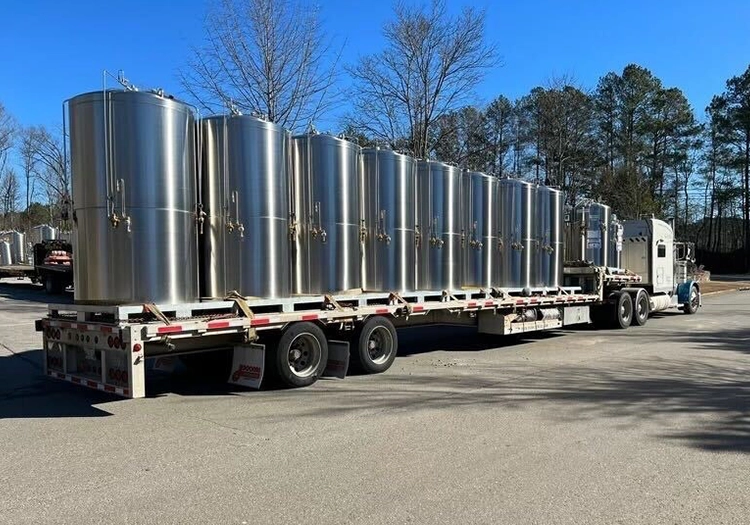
24	290
26	393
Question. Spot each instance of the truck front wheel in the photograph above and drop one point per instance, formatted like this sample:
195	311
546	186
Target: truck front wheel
694	301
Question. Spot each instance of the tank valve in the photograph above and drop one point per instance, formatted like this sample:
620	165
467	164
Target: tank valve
362	232
241	229
114	219
200	218
293	231
323	235
127	223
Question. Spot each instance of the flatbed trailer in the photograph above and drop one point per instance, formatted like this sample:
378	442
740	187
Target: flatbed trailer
19	271
106	347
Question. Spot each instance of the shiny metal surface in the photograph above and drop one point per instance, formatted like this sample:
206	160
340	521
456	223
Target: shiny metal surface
5	255
48	233
556	240
588	234
550	237
134	198
388	182
246	245
440	222
18	247
516	208
326	204
483	247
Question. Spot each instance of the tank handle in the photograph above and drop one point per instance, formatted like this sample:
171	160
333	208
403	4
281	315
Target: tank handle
317	228
382	233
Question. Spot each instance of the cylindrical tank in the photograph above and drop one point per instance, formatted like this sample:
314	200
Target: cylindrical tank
5	254
134	191
483	244
616	233
326	204
516	208
245	245
589	234
556	239
18	247
550	237
47	233
441	228
388	198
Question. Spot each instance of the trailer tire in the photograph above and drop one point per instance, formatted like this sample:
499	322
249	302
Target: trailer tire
374	345
693	302
301	354
623	310
641	308
53	286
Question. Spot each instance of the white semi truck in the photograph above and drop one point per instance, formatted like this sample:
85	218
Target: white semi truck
300	339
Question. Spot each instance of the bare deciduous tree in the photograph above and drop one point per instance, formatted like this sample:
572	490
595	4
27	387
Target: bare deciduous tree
430	67
47	155
7	132
9	196
263	55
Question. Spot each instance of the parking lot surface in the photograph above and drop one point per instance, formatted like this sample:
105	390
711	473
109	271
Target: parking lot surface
646	425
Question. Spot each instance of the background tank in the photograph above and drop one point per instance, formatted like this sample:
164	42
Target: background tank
516	206
18	247
245	245
134	194
588	235
5	254
440	223
388	199
482	244
326	206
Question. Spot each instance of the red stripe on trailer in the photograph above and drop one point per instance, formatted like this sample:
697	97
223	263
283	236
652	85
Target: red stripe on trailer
63	325
559	298
260	321
310	317
472	304
106	329
489	303
533	301
171	329
417	308
381	311
92	384
218	324
108	388
76	380
520	301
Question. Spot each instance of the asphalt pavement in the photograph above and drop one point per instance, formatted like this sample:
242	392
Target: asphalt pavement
647	425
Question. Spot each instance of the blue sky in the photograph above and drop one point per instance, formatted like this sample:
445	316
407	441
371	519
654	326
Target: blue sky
54	49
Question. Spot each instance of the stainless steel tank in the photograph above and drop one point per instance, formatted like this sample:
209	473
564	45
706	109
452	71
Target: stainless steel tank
18	247
588	234
134	198
326	205
440	222
48	233
516	208
5	254
388	183
556	239
482	244
245	246
550	237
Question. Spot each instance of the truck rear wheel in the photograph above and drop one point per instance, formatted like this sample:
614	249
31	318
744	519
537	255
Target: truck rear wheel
375	345
694	301
641	308
623	311
301	354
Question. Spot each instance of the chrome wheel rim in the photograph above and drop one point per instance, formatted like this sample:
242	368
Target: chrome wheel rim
304	355
694	299
379	344
625	310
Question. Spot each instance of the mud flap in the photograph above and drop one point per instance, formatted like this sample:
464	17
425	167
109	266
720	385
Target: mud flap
247	365
165	364
338	359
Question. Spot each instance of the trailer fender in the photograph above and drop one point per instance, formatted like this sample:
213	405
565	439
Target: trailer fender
683	291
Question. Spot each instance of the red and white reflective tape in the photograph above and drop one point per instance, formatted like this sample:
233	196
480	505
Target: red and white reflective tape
96	385
81	327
